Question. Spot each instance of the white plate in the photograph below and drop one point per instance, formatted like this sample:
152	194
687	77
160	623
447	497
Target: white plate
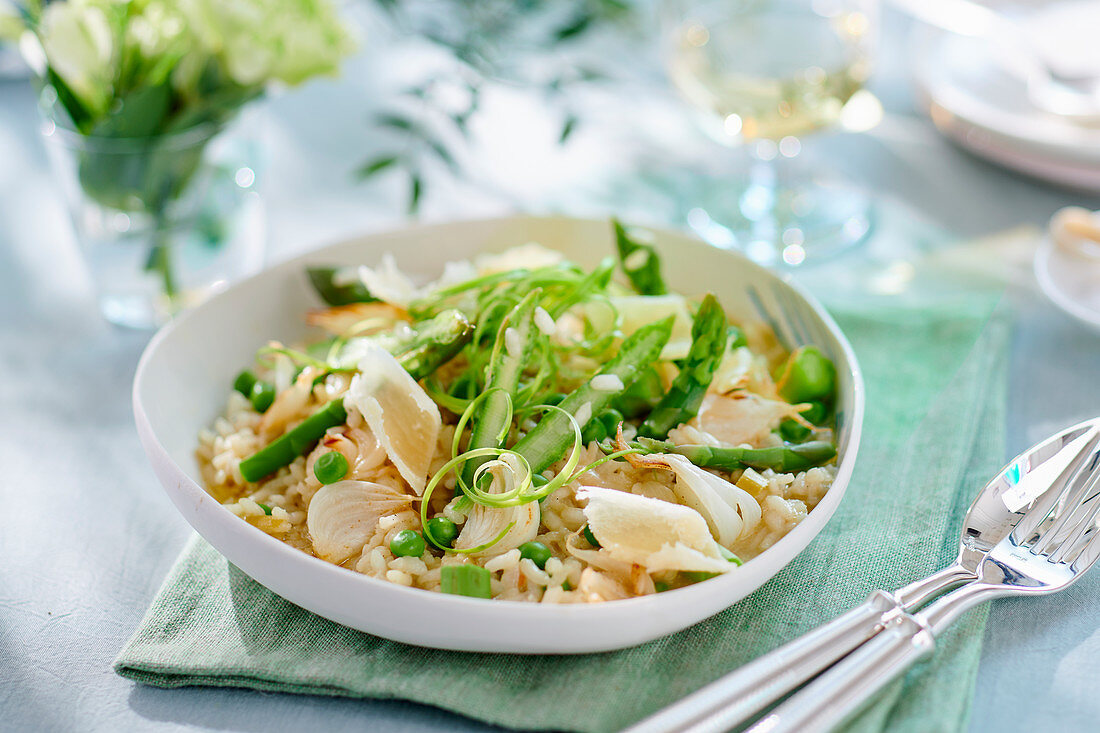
977	98
1071	283
186	373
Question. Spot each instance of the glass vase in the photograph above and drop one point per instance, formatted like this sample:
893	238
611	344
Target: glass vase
163	221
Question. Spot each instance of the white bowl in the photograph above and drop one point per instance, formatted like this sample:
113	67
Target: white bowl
186	372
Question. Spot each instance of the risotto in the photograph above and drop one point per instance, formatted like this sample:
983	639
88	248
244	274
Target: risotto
523	429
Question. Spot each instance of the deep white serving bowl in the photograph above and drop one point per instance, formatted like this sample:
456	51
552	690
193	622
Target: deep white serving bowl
186	373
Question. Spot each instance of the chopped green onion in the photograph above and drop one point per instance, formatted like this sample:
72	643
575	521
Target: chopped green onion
696	576
330	467
265	507
730	556
465	580
587	532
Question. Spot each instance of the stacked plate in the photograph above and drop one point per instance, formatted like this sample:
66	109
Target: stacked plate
975	90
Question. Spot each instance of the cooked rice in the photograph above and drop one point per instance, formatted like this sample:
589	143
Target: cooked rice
565	579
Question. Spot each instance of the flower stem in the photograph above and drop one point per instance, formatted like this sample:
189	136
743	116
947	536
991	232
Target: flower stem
160	257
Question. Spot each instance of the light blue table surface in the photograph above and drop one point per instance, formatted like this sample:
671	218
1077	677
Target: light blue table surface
88	536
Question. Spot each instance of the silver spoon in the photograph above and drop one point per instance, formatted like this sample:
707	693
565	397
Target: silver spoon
1047	551
1035	477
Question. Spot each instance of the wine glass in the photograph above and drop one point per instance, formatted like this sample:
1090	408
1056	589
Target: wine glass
763	74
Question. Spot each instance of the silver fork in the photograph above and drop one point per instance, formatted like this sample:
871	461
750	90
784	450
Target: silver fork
1049	550
1032	484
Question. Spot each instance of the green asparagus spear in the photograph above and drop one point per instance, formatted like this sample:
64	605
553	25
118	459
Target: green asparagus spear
683	398
549	440
283	450
639	261
437	341
515	342
324	282
785	458
641	397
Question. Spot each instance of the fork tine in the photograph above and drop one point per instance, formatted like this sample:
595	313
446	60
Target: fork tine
1089	551
1083	525
1050	500
1076	493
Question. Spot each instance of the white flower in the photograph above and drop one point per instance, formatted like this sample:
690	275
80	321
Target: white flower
270	40
10	24
78	43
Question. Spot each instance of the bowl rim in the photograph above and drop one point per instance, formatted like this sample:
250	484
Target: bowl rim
490	608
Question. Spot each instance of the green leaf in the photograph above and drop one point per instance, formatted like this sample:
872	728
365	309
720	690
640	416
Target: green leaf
140	114
443	154
80	115
416	188
567	128
397	122
375	166
574	28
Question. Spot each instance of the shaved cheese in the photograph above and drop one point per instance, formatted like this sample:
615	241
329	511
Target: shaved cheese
729	511
400	414
636	259
545	322
342	516
529	256
642	310
733	372
650	532
607	383
512	343
387	282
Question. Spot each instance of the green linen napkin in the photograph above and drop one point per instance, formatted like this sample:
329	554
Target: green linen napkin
933	435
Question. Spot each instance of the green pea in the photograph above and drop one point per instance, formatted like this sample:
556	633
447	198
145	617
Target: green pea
610	420
443	531
795	432
262	395
566	585
594	430
539	480
554	398
243	383
536	552
587	532
817	413
736	337
696	576
330	467
407	543
808	376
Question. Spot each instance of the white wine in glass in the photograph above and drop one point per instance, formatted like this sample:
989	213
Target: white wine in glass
765	73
